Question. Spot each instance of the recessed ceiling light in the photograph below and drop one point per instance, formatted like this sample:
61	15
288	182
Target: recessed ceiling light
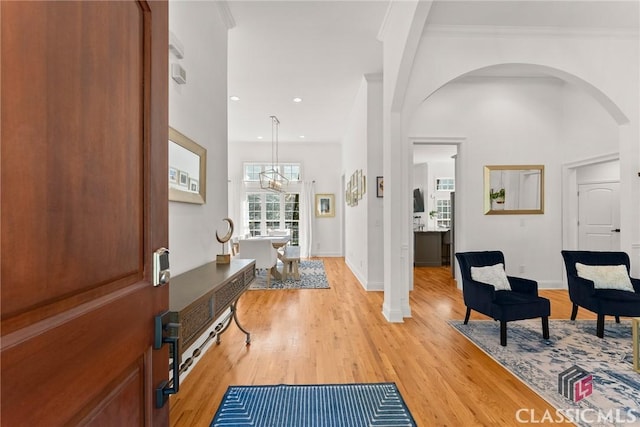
259	137
297	99
302	136
234	98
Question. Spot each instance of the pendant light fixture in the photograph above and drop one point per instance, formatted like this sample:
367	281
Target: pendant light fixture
272	179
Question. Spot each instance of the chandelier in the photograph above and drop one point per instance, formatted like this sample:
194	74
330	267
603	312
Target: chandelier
272	179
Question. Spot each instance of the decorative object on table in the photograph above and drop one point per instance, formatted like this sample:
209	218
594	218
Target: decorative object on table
599	281
487	289
635	322
538	362
272	179
379	186
314	405
311	272
513	189
325	205
187	169
224	258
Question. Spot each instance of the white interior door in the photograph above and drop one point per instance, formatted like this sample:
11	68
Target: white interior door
599	216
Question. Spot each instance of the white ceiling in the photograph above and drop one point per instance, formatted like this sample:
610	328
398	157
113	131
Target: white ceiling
316	50
319	51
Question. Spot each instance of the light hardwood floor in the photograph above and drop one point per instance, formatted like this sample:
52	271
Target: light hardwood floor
339	335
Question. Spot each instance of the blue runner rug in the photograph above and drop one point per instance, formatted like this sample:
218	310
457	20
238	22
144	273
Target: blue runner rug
331	405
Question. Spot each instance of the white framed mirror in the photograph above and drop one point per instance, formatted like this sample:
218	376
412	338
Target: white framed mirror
513	189
187	169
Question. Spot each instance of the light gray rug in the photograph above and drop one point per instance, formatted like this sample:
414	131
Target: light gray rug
615	399
312	276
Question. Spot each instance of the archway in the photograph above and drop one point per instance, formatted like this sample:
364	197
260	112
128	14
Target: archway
520	70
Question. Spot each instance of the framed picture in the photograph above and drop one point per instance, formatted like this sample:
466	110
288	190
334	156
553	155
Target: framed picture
635	326
173	175
325	205
183	179
193	185
379	186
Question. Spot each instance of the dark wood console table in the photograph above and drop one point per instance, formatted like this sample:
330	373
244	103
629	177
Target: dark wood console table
199	296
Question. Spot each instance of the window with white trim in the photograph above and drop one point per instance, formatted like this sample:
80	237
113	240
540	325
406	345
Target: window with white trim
445	184
291	171
273	211
443	207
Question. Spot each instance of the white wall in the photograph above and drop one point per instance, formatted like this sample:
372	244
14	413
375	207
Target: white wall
320	162
362	149
515	121
354	157
603	66
198	109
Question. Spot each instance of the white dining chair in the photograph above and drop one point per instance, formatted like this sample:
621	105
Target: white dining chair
262	251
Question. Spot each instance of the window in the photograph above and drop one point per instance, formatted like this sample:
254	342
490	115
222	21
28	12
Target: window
291	171
445	184
267	211
254	206
443	207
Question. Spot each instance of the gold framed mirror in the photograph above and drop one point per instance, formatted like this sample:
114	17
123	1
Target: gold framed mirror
513	189
187	169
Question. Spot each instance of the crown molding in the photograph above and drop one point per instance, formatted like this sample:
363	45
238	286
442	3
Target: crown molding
496	30
225	14
373	77
443	140
385	20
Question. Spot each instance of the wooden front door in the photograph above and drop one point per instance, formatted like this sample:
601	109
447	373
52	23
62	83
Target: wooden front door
84	205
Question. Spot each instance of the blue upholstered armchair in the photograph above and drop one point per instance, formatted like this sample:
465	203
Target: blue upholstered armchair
519	303
602	298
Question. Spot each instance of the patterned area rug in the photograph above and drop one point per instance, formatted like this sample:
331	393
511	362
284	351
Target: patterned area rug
332	405
615	395
312	276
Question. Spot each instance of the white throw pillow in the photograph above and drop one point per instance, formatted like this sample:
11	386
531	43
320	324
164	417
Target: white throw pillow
606	276
492	275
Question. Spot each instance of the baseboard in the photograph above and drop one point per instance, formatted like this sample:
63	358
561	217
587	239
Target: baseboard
551	284
392	316
375	286
327	254
357	274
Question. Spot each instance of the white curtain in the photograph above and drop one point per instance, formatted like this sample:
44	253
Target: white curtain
306	218
236	201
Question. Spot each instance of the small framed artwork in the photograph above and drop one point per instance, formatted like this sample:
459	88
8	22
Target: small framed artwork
325	205
193	185
183	179
635	326
173	175
379	186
